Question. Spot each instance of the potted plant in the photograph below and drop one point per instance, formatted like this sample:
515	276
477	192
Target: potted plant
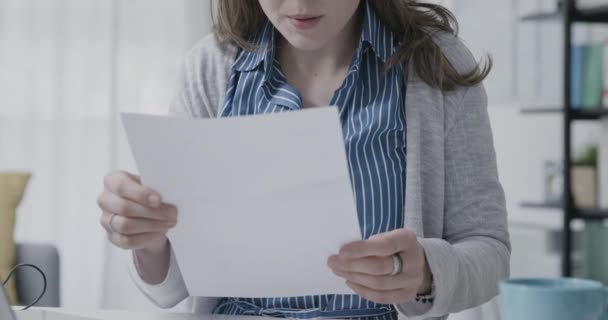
584	178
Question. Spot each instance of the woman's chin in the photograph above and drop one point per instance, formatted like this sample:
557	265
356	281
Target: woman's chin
304	42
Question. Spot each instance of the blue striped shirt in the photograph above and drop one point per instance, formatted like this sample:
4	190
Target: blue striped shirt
371	105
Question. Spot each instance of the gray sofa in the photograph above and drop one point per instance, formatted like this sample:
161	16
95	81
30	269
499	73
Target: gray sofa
29	282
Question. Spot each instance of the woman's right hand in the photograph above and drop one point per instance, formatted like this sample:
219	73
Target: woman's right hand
133	215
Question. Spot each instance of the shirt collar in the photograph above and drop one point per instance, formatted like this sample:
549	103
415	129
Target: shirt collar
263	51
374	33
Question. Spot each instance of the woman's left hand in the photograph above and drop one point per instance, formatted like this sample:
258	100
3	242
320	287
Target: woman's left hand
367	266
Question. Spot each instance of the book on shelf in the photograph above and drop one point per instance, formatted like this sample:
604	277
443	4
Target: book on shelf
587	79
594	87
576	78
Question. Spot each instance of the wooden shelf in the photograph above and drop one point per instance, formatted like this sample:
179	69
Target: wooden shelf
541	205
589	114
582	214
589	15
591	214
575	114
593	15
541	110
542	16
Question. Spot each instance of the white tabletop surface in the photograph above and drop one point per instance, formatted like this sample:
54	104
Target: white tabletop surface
64	314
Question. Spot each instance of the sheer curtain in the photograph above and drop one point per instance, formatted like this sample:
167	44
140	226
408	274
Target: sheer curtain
67	68
153	36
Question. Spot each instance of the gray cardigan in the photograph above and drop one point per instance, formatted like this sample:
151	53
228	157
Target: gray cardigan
454	200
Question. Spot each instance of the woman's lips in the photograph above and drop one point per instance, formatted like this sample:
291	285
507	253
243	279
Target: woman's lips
303	22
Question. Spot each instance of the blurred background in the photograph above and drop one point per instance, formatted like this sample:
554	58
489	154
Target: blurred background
69	67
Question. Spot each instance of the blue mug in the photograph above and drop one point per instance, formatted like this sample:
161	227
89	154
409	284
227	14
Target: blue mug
555	299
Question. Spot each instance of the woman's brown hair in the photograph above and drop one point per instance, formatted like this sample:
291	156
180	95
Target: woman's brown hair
413	22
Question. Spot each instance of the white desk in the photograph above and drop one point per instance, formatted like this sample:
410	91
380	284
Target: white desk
63	314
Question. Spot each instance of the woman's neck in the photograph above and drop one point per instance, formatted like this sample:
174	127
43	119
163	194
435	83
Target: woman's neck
336	55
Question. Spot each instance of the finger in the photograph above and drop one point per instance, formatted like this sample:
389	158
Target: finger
383	297
134	242
377	266
112	203
413	266
128	186
104	221
382	245
132	226
380	283
133	177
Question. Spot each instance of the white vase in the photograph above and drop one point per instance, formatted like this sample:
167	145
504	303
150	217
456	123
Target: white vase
584	187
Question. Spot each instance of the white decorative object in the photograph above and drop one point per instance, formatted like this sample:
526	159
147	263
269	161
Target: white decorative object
554	182
584	186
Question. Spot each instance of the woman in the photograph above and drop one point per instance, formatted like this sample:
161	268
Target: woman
418	143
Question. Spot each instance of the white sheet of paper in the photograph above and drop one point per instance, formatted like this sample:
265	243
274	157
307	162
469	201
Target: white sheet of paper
263	200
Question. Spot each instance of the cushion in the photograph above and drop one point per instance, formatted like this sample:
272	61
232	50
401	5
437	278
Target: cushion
12	186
